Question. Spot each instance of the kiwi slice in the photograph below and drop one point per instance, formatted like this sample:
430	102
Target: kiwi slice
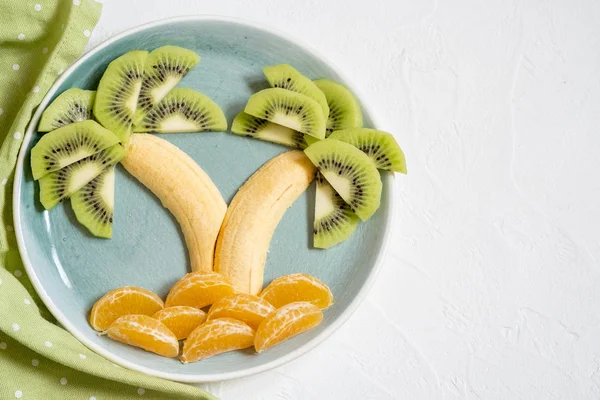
69	144
70	106
184	110
344	109
287	77
380	146
61	184
351	172
334	219
94	203
284	107
118	92
164	68
247	125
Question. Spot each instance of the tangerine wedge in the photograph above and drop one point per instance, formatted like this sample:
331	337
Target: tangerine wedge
145	332
123	301
288	321
243	307
297	287
181	320
215	337
199	289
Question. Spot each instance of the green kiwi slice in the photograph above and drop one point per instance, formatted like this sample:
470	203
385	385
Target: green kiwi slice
164	68
287	77
94	204
70	106
344	109
284	107
247	125
61	184
334	219
118	92
350	172
184	110
69	144
380	146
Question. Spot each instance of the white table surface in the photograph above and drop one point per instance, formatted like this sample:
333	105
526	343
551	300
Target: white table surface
491	289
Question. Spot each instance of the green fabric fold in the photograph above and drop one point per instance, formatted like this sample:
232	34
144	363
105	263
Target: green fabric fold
39	39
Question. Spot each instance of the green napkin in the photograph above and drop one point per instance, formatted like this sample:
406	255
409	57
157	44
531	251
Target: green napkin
38	359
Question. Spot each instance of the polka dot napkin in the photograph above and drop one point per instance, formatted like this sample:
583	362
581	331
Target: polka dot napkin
38	359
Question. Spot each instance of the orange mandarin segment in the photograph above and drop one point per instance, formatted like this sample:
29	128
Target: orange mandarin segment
199	289
144	332
297	287
288	321
215	337
123	301
243	307
181	320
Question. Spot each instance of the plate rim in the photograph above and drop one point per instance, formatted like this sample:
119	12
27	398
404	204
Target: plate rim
196	378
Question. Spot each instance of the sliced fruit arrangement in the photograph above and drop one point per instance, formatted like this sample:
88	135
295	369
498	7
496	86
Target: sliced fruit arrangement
348	184
184	189
163	70
72	105
183	110
243	243
138	317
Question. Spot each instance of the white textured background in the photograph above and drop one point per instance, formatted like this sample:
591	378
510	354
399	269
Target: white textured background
491	289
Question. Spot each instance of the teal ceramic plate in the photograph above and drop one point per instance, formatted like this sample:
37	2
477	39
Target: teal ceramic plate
71	269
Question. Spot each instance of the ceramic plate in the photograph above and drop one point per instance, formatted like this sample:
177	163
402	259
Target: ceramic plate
71	269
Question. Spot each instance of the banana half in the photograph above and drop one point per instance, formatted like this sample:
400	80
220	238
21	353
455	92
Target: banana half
184	189
253	216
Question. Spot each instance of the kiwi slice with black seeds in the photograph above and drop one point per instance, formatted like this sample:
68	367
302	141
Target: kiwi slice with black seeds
118	92
70	106
184	110
94	203
350	172
380	146
247	125
165	67
69	144
61	184
344	109
287	77
284	107
334	219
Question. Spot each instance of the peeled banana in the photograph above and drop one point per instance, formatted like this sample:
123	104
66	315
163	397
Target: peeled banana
253	216
184	189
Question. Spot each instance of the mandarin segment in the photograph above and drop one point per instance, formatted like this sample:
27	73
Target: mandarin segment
199	289
123	301
145	332
181	320
215	337
243	307
288	321
297	287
